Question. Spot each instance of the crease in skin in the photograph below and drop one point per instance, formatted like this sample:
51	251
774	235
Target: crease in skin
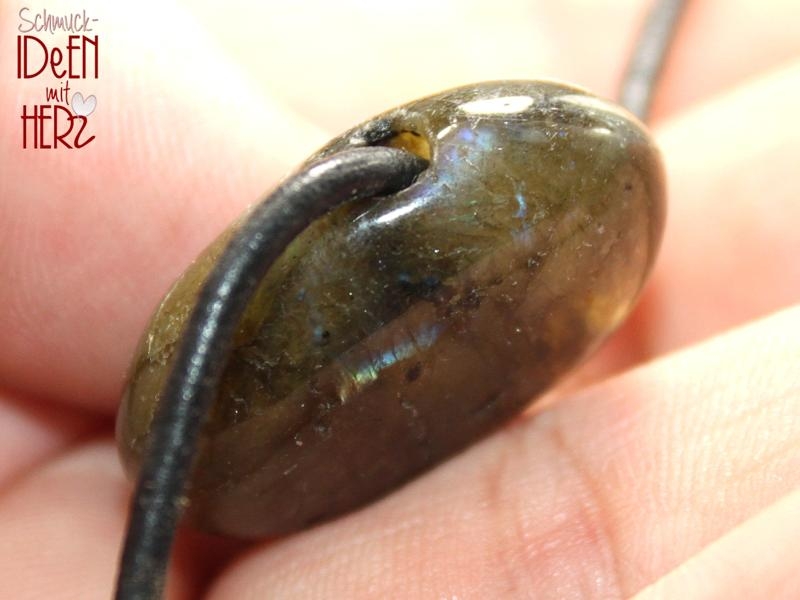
595	505
47	432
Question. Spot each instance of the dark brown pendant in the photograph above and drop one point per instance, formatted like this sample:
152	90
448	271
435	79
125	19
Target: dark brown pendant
394	332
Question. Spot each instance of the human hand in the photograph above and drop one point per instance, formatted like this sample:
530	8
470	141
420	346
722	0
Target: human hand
677	473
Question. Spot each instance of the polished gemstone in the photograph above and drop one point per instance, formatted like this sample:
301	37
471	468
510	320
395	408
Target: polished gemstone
396	331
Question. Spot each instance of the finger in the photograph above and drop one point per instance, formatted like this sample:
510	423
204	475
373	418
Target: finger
731	244
31	432
730	247
62	529
720	45
758	559
598	496
91	238
376	56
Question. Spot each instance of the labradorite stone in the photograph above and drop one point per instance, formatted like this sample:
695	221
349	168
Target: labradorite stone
396	331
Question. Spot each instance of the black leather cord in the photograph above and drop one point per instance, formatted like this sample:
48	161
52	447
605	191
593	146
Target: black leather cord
206	344
641	76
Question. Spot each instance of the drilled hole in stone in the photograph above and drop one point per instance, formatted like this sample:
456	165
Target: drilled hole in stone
409	141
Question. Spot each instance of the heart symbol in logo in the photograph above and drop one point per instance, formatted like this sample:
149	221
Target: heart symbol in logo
81	107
